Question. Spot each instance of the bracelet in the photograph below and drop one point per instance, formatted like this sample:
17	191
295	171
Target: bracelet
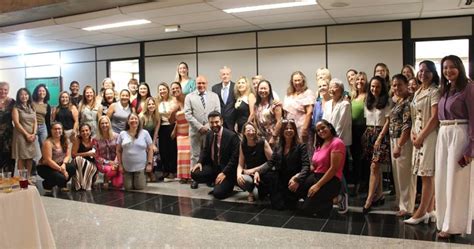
148	163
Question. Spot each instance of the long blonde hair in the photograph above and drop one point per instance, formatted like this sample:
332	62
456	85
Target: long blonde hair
101	135
145	116
249	90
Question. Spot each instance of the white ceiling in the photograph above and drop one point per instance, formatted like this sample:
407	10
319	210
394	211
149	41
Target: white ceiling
200	17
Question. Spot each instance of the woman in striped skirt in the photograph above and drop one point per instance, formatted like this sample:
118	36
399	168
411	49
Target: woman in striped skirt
83	153
181	132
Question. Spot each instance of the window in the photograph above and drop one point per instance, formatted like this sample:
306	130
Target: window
122	71
436	50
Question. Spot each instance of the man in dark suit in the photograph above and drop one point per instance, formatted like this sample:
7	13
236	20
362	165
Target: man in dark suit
225	91
219	157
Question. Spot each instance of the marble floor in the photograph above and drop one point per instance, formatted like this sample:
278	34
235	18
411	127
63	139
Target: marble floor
171	215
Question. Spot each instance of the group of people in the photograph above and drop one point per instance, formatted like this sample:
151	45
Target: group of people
305	146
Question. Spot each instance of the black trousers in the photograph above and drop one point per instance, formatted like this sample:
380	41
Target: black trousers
168	149
6	162
208	175
360	168
321	202
55	178
277	187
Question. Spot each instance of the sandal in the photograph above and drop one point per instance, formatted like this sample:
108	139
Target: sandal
401	213
444	235
251	198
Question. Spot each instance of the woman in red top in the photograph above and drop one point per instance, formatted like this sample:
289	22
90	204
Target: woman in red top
328	162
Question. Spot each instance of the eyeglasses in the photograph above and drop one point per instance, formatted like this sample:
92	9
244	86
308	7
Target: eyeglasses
286	121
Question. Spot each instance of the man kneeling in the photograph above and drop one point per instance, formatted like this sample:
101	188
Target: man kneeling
218	160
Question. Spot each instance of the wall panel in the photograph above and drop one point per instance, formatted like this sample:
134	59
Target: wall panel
78	55
242	63
15	78
443	27
118	51
363	57
291	37
176	46
365	32
277	65
163	68
84	73
225	42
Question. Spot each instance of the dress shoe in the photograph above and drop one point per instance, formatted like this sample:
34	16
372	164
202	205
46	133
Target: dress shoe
412	221
366	210
379	202
194	185
210	184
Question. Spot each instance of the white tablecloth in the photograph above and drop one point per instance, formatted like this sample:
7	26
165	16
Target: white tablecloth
23	221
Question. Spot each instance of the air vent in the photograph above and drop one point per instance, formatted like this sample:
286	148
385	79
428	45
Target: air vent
466	4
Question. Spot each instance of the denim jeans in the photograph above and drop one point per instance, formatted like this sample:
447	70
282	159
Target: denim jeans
42	134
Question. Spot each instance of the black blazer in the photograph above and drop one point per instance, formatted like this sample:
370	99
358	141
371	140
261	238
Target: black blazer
227	109
229	153
296	161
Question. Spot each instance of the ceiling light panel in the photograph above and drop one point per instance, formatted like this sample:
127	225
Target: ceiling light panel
271	6
117	25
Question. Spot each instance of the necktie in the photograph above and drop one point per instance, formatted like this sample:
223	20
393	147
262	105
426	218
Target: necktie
203	101
225	94
215	156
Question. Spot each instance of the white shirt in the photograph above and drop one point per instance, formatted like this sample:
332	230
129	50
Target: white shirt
341	118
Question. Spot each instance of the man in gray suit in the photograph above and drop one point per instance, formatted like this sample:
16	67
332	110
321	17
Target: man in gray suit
197	106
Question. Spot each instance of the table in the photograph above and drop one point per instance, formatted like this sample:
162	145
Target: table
23	221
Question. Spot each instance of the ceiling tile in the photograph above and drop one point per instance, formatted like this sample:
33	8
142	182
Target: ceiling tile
327	4
213	25
457	12
225	4
304	23
92	38
311	8
207	16
375	10
172	11
232	29
112	41
293	17
375	18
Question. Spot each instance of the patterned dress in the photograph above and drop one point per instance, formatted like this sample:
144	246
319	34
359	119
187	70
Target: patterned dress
266	120
184	147
424	158
6	136
295	107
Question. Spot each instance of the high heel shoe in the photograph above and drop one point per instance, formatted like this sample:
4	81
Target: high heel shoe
432	215
379	202
412	221
366	210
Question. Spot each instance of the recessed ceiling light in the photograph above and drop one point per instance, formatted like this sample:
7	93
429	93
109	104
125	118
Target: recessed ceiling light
172	28
117	25
271	6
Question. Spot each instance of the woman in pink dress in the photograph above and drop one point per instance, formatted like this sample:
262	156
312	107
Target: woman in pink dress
298	104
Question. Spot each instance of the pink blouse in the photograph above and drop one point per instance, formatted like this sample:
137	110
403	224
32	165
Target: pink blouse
322	157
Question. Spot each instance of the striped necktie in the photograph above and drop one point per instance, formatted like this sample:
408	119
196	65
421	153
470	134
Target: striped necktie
203	101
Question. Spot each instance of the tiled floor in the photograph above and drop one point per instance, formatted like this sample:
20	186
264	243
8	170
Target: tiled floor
354	223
